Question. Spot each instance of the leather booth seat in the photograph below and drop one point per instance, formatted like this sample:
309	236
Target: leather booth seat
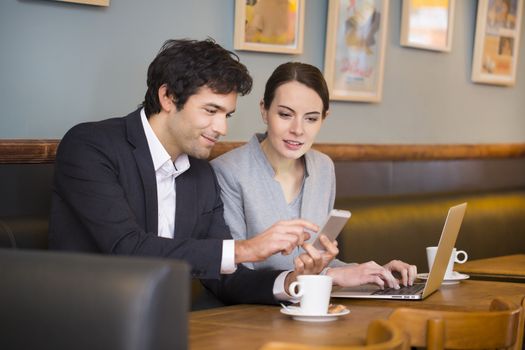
401	227
57	301
26	232
398	208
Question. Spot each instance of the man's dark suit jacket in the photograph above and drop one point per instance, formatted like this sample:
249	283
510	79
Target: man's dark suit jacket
105	200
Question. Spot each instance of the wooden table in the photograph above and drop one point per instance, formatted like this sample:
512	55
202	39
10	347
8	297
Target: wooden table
250	326
508	268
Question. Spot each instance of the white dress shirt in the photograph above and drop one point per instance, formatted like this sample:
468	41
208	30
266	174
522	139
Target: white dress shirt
166	171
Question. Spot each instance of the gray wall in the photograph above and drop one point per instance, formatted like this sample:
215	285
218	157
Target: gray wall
63	63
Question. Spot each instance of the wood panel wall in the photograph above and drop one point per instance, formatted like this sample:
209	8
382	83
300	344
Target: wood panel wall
44	151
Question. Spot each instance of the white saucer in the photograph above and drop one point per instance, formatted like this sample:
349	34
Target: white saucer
298	315
454	279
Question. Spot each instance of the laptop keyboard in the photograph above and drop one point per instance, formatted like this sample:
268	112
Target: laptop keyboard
408	290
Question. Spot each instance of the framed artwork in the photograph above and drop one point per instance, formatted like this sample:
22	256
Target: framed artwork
269	25
89	2
496	45
355	49
427	24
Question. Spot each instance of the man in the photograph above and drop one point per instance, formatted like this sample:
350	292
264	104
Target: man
139	185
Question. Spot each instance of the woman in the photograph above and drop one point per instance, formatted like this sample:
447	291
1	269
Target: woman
277	176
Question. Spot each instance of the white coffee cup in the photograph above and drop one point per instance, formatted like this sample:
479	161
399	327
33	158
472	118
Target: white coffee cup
314	292
454	258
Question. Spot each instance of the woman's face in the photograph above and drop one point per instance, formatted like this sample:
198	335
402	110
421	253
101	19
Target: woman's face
294	119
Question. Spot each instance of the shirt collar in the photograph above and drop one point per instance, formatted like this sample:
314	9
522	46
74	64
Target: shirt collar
159	154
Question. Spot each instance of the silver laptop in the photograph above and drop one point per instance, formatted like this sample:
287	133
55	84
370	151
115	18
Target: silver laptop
417	291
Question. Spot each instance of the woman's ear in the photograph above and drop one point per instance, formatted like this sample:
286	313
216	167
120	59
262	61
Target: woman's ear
165	100
264	112
326	114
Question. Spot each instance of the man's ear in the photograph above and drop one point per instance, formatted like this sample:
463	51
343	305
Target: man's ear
165	100
264	112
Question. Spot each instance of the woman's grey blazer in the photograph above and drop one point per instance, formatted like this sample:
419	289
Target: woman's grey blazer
254	201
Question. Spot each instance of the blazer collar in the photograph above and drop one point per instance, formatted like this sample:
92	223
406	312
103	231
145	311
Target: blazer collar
141	152
186	206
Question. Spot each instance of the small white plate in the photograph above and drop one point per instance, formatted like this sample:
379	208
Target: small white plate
298	315
454	279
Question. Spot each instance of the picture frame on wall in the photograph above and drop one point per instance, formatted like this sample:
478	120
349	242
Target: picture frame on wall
88	2
496	45
427	24
269	25
355	49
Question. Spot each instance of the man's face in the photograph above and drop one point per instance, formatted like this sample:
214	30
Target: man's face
196	128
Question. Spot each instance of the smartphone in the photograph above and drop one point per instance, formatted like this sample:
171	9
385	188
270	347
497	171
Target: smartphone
333	226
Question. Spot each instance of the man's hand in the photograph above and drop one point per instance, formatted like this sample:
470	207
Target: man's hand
282	237
356	275
406	271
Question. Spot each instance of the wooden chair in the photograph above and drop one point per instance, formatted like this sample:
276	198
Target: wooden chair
497	328
520	341
381	335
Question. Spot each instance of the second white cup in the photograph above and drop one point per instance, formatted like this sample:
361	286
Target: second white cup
314	292
454	258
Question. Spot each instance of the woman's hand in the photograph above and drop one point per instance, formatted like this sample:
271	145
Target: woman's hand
406	271
371	272
359	274
314	261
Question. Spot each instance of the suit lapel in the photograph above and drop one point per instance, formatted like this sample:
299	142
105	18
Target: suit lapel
309	207
137	138
186	211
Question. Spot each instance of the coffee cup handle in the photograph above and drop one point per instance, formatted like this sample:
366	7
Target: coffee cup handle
465	257
292	291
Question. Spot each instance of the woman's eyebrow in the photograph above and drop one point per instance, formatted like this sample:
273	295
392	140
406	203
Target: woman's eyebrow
293	111
313	113
286	107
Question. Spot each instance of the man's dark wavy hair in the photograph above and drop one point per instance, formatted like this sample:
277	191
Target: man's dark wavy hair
187	65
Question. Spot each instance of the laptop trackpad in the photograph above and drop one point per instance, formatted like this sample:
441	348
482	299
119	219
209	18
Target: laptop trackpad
358	290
